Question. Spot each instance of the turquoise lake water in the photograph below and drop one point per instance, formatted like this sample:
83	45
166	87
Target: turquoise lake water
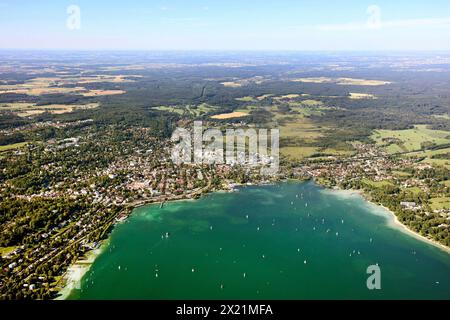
284	241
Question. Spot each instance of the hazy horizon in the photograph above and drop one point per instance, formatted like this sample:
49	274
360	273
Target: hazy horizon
204	25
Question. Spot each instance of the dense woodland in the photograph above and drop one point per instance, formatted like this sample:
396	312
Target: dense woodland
412	98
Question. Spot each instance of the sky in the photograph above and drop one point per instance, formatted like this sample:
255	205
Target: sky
301	25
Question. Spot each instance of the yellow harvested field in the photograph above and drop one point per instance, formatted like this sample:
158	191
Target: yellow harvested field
358	96
105	78
442	116
313	80
43	90
231	84
28	109
119	68
361	82
55	85
236	114
342	81
288	97
30	113
16	106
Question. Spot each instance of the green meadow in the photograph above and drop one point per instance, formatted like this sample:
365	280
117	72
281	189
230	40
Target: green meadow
12	146
396	141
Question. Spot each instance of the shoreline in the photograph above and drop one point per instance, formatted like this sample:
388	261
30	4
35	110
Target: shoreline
75	272
393	219
396	223
71	279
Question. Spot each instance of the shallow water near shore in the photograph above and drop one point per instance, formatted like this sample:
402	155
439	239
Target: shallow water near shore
284	241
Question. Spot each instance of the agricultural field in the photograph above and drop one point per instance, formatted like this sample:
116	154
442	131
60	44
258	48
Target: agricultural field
30	109
300	128
288	96
123	67
431	153
296	130
247	109
12	146
312	103
303	152
298	153
401	174
98	93
172	109
246	99
437	157
361	82
313	80
342	81
413	190
337	152
396	141
6	250
308	108
298	133
359	96
440	203
438	162
237	83
231	115
60	85
103	78
442	116
377	184
264	96
231	84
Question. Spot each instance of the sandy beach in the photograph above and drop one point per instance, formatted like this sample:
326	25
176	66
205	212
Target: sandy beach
75	272
72	277
396	223
392	218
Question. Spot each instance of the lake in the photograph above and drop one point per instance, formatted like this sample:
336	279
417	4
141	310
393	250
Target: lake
285	241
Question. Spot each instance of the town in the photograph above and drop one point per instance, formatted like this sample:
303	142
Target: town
84	186
404	185
86	201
